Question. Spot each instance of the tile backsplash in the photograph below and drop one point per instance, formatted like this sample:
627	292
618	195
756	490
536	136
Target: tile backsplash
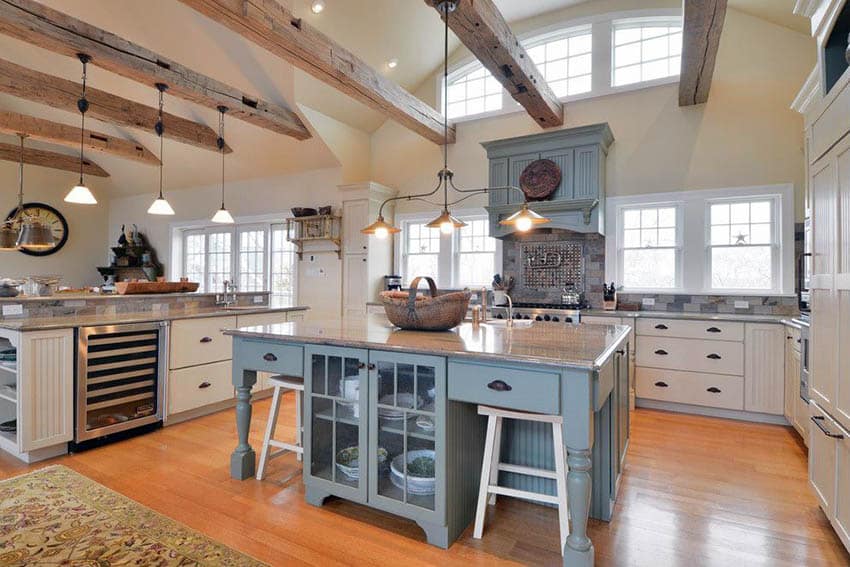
757	304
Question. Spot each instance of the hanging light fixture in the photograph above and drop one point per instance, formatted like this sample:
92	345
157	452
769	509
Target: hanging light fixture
80	194
160	206
33	234
523	220
222	216
10	230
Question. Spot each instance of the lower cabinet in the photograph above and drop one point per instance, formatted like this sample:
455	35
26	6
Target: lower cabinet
198	386
829	469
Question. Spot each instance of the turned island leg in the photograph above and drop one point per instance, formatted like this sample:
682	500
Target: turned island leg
579	549
243	460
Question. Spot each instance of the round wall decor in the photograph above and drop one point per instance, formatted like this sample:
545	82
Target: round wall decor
50	216
540	179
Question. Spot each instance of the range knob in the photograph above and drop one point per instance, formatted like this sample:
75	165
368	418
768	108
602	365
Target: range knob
556	318
526	317
500	316
546	318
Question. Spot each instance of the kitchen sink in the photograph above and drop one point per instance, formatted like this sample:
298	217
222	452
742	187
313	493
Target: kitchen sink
504	322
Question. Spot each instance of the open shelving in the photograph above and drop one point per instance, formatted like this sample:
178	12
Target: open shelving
316	228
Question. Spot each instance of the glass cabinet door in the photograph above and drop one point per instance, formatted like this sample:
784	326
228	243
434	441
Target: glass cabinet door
335	420
407	412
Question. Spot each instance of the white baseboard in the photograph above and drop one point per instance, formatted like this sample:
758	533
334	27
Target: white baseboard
712	412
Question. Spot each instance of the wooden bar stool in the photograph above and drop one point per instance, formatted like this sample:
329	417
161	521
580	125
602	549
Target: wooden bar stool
279	383
491	466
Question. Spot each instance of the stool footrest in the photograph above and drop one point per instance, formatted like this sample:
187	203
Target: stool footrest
528	471
286	446
515	493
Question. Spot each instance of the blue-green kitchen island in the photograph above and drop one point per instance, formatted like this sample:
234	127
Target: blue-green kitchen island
376	396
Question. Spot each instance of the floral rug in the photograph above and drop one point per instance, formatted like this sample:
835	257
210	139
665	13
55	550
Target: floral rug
55	516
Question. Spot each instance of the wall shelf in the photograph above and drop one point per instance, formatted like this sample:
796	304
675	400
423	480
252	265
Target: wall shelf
317	228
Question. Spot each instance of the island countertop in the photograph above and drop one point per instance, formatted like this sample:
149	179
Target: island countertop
585	347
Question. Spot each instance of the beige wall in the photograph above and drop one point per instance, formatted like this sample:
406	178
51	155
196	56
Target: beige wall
745	135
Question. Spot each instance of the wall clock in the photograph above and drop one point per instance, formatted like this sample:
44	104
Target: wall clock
49	215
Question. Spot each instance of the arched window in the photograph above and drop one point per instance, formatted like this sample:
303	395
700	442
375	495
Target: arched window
645	50
475	91
565	60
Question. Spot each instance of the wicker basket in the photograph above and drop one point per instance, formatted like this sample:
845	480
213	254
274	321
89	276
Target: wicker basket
415	312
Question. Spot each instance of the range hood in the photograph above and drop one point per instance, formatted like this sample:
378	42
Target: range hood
578	201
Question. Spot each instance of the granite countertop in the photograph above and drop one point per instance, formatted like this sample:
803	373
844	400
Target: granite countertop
585	347
59	296
743	317
71	321
796	322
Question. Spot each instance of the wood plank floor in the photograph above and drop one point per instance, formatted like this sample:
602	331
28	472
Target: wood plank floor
697	491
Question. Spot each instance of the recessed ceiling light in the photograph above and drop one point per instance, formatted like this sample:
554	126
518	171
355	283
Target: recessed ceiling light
392	63
318	7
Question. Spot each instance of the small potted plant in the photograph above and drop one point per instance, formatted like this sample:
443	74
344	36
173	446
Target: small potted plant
501	287
609	297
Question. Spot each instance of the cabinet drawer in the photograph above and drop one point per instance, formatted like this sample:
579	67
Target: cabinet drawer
679	328
711	390
200	341
717	357
271	357
198	386
514	388
259	319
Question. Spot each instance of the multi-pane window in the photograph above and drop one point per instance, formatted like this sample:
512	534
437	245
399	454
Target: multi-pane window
195	256
219	266
645	51
476	257
421	250
649	247
283	263
474	93
252	259
566	63
742	244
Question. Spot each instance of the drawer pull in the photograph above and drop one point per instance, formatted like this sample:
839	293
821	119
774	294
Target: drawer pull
713	330
206	340
500	386
818	420
661	327
661	352
269	357
713	390
204	385
621	352
714	356
371	366
662	384
361	366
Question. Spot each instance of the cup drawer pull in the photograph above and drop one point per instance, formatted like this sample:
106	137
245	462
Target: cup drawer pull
714	356
713	390
818	420
206	340
662	384
269	357
713	330
204	385
661	352
661	327
500	386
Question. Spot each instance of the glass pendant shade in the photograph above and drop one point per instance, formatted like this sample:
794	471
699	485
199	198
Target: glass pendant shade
8	236
223	216
160	207
446	223
524	219
35	235
380	228
80	195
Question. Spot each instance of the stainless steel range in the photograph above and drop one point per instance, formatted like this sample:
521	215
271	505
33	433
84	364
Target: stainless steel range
556	313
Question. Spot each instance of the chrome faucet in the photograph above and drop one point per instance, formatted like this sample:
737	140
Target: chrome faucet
510	321
227	298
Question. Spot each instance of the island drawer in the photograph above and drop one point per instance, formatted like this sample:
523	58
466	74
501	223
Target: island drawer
717	357
200	341
198	386
276	358
686	329
505	386
711	390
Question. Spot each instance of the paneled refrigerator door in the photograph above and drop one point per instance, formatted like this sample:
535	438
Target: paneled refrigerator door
335	421
822	457
842	286
842	492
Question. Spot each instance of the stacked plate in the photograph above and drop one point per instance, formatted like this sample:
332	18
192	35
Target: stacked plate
400	402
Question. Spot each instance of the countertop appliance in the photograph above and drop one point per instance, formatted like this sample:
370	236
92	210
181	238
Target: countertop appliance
557	312
392	283
119	379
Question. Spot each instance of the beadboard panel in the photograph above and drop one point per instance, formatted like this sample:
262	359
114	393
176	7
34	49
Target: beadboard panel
587	173
764	374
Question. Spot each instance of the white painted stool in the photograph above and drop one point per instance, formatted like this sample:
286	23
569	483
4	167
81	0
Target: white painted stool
279	383
491	466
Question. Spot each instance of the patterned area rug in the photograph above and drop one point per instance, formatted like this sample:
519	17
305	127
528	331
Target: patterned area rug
55	516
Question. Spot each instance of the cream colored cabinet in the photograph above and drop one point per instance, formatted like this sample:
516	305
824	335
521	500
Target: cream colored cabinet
823	458
198	386
260	319
689	329
842	489
842	285
790	408
355	216
355	294
200	341
696	388
717	357
764	374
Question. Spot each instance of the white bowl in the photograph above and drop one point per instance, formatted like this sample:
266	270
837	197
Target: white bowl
421	486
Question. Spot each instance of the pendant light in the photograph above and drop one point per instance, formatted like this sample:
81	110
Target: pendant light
160	206
10	230
80	194
222	216
523	220
34	234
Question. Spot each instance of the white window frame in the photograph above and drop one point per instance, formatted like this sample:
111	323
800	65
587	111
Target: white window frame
601	57
447	278
694	221
641	23
178	232
457	255
678	248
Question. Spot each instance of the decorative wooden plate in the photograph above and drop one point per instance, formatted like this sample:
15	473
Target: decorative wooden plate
540	179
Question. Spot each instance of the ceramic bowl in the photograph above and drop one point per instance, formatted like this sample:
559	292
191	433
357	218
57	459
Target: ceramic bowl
416	484
348	461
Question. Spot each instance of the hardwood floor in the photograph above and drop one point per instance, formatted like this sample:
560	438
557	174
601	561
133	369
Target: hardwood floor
697	491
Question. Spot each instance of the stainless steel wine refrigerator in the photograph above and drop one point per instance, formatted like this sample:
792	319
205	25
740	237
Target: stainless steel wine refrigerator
119	380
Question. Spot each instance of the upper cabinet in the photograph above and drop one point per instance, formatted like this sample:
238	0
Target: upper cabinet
579	155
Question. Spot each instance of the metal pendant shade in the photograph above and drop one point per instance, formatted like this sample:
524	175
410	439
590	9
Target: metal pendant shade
35	235
380	228
8	236
222	216
524	219
446	222
21	231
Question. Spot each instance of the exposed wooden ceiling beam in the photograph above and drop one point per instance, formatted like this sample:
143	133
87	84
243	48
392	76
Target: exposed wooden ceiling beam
273	27
61	93
62	134
484	31
12	152
50	29
703	24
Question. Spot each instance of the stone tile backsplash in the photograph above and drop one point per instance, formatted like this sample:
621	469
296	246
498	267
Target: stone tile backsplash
758	304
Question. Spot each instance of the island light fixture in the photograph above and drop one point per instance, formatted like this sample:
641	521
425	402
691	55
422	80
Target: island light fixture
222	216
80	194
160	206
317	7
523	220
34	234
